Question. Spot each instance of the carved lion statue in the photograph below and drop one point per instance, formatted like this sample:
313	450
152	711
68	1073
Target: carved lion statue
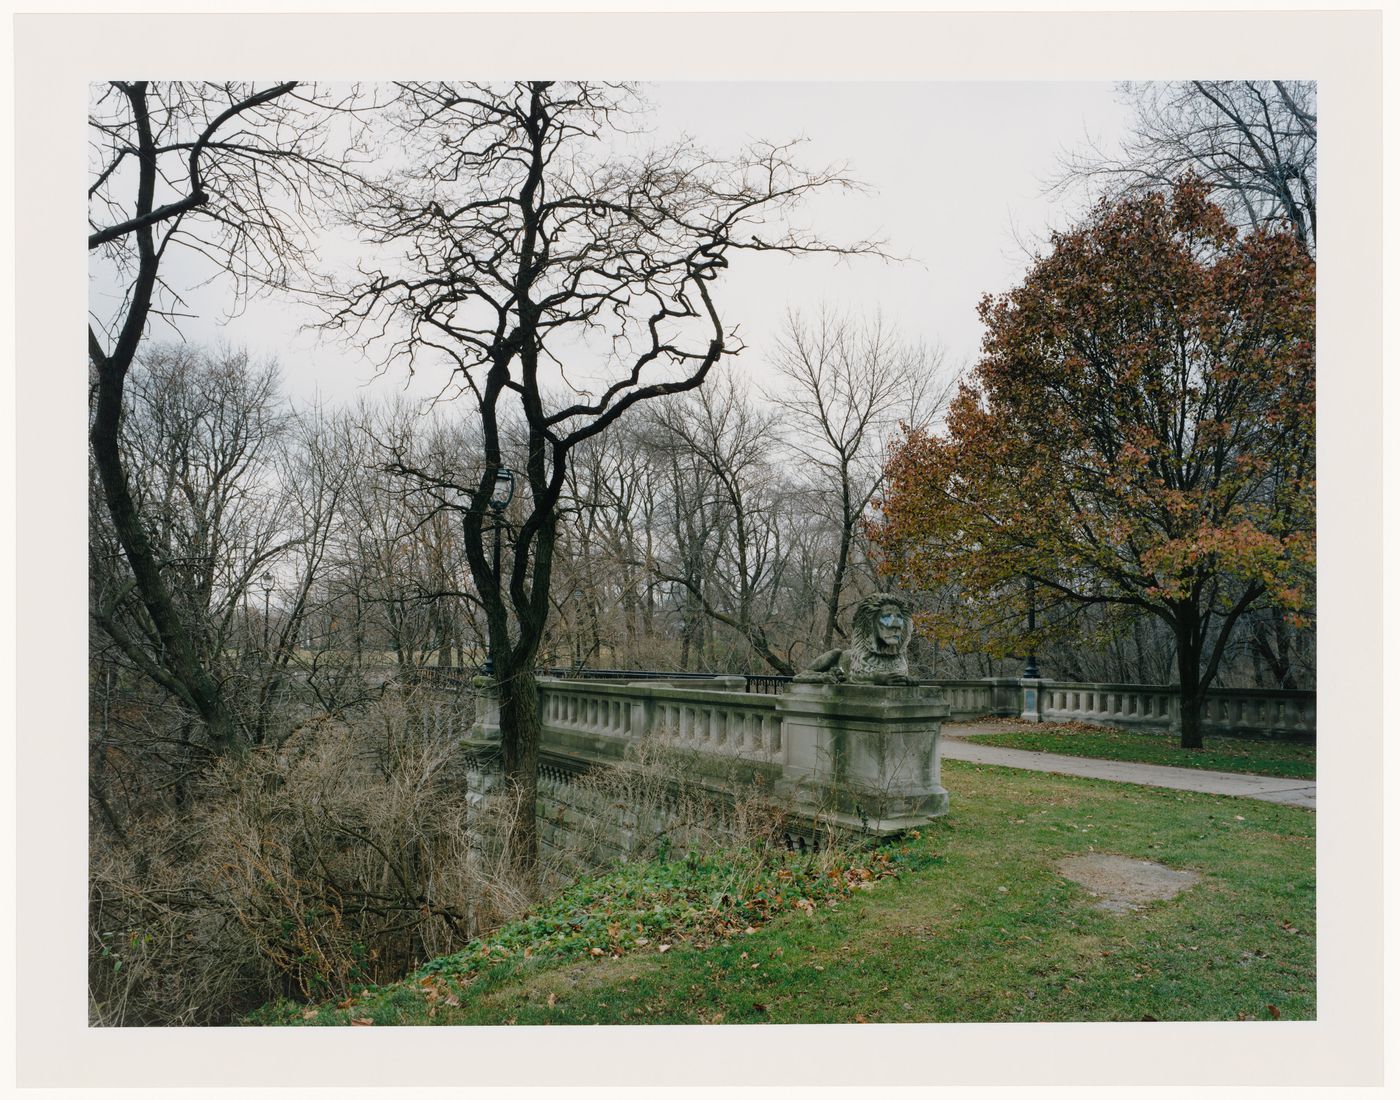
880	632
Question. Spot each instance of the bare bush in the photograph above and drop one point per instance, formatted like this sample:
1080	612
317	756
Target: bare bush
347	854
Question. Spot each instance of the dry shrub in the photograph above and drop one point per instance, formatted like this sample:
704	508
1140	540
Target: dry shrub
346	854
350	852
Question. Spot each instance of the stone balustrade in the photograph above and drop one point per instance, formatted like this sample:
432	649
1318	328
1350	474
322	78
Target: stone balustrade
1245	712
855	757
974	698
859	757
1235	711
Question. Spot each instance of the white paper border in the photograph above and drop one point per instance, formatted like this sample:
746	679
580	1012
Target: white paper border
55	57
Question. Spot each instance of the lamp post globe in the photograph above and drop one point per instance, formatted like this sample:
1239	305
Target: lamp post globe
503	490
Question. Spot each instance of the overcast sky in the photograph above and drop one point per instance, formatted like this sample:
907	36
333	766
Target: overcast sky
956	175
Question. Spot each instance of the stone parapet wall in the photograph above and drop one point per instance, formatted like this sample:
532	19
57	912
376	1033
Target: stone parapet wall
975	698
826	756
1234	711
851	757
1247	712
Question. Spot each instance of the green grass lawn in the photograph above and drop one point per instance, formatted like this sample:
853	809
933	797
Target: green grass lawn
1290	760
968	922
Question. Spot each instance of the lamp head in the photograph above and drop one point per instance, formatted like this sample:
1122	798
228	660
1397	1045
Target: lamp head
504	488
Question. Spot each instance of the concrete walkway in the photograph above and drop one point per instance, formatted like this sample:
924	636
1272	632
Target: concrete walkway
957	745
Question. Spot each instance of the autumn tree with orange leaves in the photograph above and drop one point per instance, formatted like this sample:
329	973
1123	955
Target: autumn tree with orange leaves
1138	436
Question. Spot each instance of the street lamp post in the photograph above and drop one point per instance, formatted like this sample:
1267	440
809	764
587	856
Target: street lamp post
501	494
268	582
1030	679
1032	670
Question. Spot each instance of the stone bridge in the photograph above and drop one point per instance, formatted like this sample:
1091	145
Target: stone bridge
854	758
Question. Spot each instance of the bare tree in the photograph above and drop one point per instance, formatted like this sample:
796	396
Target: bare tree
603	582
524	253
1254	143
209	445
849	386
727	497
228	171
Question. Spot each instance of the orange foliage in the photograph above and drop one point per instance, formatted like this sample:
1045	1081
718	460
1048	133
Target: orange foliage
1138	431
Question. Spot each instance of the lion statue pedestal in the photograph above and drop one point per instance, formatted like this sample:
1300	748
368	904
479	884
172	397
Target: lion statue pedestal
860	738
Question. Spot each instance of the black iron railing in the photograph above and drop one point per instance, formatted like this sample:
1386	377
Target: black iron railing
766	685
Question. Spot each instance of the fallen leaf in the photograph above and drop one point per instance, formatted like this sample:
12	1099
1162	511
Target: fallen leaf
664	947
551	999
1274	1012
595	951
362	1021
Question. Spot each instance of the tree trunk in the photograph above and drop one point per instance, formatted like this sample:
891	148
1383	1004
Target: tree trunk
1188	664
1275	650
443	624
520	759
182	674
838	581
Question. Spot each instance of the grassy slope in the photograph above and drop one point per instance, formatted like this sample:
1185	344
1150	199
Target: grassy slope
977	926
1226	754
